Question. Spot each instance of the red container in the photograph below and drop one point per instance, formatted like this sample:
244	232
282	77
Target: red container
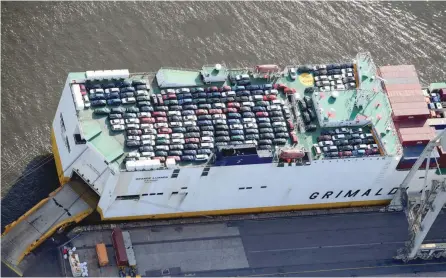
118	245
414	133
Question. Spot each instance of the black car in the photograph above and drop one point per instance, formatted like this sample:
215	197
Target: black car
192	129
306	117
207	128
146	149
310	128
280	141
178	130
252	137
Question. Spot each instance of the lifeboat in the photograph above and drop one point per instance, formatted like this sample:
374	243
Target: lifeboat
267	68
292	154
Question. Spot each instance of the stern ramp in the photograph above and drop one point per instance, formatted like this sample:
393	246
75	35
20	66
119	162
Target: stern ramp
68	204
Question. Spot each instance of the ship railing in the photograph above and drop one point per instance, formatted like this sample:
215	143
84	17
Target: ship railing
178	68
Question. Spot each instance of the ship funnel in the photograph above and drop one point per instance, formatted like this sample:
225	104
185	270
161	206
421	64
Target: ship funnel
217	67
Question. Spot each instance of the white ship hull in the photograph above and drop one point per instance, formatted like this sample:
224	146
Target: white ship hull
225	189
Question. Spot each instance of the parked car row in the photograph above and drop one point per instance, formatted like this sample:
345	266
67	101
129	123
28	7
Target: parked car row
174	124
335	77
307	110
346	142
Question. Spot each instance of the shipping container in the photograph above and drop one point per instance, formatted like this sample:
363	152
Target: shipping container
118	245
411	136
101	251
406	98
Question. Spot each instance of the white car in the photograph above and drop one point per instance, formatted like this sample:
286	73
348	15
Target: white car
273	108
128	100
132	121
140	93
219	106
147	142
189	118
347	74
293	73
319	67
219	122
251	142
207	145
219	116
170	91
224	94
111	90
201	157
325	143
338	87
173	113
276	102
236	126
249	104
207	139
278	124
147	154
144	115
336	82
133	137
347	70
166	136
250	125
248	120
185	90
320	78
117	127
176	124
160	125
132	126
148	137
96	91
144	126
324	89
231	94
177	141
189	123
86	101
177	135
117	122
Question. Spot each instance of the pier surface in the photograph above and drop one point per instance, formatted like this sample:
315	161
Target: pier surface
354	244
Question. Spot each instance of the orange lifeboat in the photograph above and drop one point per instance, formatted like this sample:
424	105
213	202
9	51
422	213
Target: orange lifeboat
267	68
292	154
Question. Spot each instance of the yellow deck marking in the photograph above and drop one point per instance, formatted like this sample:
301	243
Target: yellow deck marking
306	79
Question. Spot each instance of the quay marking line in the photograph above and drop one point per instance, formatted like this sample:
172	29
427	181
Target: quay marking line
343	269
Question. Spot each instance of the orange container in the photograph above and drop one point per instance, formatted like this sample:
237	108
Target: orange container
101	251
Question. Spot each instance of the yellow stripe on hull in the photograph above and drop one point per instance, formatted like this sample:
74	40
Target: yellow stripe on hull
249	210
60	174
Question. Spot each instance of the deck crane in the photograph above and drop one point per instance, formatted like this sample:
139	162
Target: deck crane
422	210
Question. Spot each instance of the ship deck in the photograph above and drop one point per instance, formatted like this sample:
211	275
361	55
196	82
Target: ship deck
111	145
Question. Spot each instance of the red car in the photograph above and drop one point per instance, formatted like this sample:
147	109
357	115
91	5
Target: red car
201	112
147	120
346	153
215	111
160	100
214	89
233	105
192	140
279	86
269	97
290	125
159	114
161	119
225	88
164	130
289	91
160	158
293	137
177	158
230	110
171	96
83	89
261	114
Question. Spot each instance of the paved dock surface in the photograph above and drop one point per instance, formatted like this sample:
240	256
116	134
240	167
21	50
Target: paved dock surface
359	244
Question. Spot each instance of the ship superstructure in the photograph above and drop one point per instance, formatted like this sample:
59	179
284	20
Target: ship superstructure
182	142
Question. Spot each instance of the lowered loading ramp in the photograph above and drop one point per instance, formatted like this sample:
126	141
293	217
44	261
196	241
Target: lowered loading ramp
70	203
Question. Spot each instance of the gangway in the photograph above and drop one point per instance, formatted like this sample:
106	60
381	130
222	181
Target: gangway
68	204
421	211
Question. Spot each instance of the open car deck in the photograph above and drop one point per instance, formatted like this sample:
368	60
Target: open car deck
186	114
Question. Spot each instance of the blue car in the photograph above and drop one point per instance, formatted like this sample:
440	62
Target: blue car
115	101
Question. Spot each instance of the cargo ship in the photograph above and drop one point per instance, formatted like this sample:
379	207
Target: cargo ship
220	140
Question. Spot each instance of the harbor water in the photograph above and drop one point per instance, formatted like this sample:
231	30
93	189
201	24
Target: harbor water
43	41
